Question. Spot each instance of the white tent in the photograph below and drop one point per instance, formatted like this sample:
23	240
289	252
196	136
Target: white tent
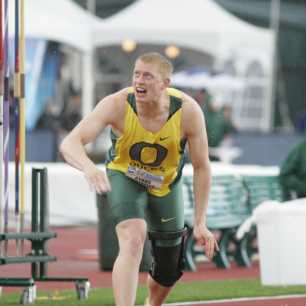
65	22
58	20
202	79
198	24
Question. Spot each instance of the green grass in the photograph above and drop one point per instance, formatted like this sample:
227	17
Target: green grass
183	292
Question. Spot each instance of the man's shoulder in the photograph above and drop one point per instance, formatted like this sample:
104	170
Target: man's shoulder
191	111
118	98
123	93
114	102
184	97
189	104
174	92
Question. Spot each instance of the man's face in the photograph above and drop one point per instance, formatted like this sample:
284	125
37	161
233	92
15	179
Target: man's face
148	82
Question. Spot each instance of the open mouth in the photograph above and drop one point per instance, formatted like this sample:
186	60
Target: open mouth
141	91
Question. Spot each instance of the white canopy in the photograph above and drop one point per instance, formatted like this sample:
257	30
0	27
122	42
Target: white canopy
198	79
199	24
59	20
65	22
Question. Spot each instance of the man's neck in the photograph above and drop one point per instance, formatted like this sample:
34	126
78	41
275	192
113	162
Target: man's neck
154	108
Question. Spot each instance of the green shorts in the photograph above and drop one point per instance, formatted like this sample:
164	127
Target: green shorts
128	199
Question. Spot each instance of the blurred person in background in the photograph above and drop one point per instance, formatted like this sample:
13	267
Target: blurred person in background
150	125
71	114
293	172
203	97
230	127
50	119
69	117
219	126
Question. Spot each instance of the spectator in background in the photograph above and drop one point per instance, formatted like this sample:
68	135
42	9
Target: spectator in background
219	126
202	96
71	114
230	127
64	119
49	119
293	172
61	123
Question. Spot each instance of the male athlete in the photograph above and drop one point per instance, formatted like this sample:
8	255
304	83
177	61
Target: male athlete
151	123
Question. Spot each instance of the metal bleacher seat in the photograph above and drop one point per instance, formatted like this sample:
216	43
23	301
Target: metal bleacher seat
260	188
227	209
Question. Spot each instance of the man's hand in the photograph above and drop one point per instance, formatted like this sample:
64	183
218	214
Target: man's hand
204	237
97	179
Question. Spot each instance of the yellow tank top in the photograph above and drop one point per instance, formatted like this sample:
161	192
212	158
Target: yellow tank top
154	160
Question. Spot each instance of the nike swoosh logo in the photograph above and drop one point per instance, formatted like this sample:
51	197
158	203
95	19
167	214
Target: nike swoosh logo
163	138
164	220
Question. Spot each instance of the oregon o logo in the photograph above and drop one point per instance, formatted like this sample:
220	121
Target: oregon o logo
138	148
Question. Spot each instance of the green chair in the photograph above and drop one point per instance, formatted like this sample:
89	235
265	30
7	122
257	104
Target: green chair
227	209
260	189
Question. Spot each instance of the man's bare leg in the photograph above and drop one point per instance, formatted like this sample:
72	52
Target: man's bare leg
157	292
131	236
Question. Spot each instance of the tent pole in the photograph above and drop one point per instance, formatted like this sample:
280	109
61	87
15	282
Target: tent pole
88	82
274	25
91	6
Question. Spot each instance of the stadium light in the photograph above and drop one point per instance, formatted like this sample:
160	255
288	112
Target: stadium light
128	45
172	51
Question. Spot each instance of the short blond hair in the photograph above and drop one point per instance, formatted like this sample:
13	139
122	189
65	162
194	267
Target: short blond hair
165	67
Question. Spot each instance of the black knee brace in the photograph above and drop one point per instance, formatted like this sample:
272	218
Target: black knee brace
168	261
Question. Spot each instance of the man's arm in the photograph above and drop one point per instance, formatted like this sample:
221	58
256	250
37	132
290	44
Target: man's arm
195	131
73	146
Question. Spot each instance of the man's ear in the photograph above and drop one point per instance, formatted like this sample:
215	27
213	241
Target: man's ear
167	82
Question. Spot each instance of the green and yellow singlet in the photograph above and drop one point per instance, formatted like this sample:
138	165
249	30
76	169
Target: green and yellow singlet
154	160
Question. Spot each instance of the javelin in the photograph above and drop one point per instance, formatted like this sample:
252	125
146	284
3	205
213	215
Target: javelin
16	117
22	136
6	119
1	123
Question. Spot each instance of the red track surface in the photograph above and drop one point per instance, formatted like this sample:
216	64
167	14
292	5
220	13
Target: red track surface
76	250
